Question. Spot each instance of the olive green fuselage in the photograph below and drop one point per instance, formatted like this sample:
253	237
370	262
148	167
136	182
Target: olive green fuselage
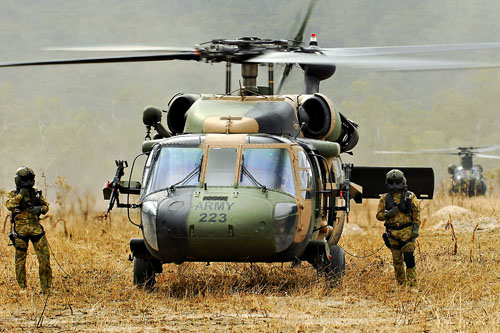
242	221
222	224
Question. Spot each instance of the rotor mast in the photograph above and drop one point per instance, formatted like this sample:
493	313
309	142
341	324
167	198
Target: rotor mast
249	72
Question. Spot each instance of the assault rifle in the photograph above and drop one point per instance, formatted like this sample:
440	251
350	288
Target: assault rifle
346	189
113	187
13	233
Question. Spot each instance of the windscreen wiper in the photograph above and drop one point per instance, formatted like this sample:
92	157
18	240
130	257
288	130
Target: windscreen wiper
244	171
195	172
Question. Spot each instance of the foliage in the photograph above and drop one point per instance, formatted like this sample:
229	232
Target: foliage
93	288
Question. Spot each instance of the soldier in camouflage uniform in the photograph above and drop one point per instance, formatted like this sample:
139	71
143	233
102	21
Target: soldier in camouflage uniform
400	210
27	204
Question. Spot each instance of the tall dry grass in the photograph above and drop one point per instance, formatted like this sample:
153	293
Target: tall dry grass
458	289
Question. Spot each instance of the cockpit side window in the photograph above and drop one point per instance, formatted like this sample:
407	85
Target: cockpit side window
178	166
305	174
270	167
147	168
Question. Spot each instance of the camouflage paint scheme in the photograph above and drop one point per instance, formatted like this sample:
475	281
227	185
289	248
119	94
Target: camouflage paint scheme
404	235
238	223
233	115
28	225
233	223
255	114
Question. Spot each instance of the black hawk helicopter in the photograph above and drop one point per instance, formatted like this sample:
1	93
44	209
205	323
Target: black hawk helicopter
466	178
250	175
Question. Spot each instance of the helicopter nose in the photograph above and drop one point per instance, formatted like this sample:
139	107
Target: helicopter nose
217	224
164	219
243	225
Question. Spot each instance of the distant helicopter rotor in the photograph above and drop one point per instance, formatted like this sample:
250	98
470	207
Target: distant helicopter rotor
460	151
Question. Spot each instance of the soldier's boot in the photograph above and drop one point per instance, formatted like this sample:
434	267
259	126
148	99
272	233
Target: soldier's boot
411	270
399	274
44	269
411	276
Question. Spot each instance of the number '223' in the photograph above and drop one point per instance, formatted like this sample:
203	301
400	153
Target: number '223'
213	217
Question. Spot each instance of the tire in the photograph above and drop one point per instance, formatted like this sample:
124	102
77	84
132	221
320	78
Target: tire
144	273
336	269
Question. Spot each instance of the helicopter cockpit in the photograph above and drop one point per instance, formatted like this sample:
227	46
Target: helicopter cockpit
462	175
266	166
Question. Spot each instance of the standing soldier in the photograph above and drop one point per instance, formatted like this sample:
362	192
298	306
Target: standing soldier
400	210
26	205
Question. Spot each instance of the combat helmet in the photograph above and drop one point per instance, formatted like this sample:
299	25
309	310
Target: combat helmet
395	180
25	177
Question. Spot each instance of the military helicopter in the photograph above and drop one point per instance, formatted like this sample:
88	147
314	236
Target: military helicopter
467	178
250	175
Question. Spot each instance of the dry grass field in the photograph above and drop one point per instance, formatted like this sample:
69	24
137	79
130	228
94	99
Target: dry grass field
459	271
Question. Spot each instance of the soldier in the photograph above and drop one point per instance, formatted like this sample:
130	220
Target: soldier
26	205
400	210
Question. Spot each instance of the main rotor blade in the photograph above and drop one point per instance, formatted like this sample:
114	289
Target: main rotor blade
160	57
438	150
410	49
284	76
121	48
487	156
299	37
430	151
393	152
376	63
485	149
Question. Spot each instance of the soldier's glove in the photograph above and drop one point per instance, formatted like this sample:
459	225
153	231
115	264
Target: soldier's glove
414	233
391	213
12	237
36	210
25	192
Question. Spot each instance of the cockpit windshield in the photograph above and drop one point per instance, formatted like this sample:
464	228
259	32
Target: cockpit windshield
174	166
269	167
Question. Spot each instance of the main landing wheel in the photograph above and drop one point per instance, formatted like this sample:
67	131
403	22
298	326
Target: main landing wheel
335	270
144	273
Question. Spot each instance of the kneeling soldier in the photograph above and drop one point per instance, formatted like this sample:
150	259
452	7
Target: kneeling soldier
400	210
26	205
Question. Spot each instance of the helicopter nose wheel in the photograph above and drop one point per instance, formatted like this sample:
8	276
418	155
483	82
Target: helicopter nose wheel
144	273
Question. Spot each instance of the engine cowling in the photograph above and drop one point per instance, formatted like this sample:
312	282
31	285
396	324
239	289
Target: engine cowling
323	121
177	111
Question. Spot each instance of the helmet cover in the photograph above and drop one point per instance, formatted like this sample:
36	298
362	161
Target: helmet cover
25	177
395	180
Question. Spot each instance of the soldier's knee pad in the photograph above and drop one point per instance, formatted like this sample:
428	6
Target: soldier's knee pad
36	238
409	259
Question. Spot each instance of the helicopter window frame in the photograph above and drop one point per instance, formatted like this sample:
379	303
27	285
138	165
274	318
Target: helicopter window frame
146	175
147	170
305	175
337	171
283	187
208	162
154	165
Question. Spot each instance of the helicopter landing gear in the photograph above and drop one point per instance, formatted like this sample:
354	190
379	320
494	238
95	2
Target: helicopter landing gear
335	270
332	266
144	272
